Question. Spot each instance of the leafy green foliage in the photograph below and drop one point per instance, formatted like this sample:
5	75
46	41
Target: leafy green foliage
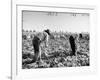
58	50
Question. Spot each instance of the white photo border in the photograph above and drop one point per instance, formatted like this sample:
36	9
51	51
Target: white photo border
21	74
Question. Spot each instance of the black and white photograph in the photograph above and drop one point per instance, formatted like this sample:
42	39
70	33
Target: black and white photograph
55	39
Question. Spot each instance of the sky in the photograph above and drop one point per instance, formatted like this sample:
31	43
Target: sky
55	21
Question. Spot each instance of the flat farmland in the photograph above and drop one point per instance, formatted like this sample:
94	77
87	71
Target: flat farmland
59	51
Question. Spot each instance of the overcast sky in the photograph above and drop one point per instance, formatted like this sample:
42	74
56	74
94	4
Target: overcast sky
55	21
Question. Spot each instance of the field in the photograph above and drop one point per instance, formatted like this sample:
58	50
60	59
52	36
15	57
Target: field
58	49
